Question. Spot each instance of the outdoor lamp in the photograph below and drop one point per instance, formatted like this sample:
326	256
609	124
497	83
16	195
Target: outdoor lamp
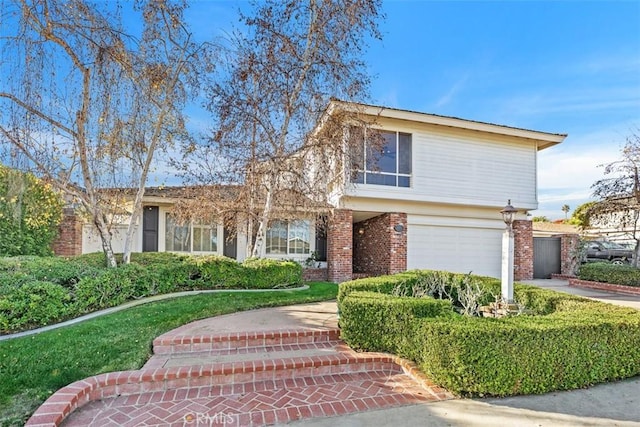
508	214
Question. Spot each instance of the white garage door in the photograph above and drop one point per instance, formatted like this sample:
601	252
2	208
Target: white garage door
456	249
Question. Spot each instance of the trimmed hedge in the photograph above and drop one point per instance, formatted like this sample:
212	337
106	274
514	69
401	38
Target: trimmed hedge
570	342
392	317
38	291
34	303
610	273
264	273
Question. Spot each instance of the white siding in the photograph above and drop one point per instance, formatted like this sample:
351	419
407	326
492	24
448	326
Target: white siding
91	239
473	170
468	246
463	168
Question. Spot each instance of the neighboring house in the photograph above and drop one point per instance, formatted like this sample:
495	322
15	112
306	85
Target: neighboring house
428	198
550	229
621	224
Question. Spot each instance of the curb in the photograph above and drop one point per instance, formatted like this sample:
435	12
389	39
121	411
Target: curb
601	286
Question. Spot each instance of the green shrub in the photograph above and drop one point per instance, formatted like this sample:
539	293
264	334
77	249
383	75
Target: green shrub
94	259
157	258
34	303
9	280
218	272
263	273
541	301
381	284
114	287
574	348
390	316
30	211
610	273
55	270
570	343
91	286
171	272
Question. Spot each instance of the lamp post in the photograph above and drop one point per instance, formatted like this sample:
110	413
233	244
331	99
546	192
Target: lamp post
508	215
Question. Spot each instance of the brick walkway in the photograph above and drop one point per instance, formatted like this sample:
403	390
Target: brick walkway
249	378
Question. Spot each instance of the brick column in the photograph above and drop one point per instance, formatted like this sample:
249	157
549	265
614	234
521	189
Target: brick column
69	240
568	255
523	250
340	246
397	243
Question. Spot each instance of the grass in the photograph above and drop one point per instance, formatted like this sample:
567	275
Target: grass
34	367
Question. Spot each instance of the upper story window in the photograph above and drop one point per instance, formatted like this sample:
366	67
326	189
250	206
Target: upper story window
195	237
288	237
381	158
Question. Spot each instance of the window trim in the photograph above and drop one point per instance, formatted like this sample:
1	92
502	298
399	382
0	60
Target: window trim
191	225
356	173
288	254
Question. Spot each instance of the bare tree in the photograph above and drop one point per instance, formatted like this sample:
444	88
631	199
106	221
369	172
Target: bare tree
618	195
87	105
280	74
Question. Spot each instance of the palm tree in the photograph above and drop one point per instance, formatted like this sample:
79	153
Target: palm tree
565	209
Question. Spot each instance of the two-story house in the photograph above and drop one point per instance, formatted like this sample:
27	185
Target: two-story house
427	196
432	198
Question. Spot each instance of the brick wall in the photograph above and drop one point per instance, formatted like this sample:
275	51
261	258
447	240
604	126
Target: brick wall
523	250
69	240
340	246
568	259
314	274
377	248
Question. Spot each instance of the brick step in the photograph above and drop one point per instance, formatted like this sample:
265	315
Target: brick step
314	358
243	354
170	378
257	403
179	344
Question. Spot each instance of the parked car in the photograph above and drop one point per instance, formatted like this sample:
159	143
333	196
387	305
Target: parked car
602	250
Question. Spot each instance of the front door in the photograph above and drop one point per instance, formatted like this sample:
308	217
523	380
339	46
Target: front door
150	216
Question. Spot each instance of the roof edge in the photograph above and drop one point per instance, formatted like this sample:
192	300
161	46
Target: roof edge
545	139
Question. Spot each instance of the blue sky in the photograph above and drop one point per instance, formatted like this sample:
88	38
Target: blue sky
564	67
557	66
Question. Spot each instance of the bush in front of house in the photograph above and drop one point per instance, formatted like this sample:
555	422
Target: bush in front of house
34	303
610	273
566	342
264	273
51	269
38	291
114	287
30	211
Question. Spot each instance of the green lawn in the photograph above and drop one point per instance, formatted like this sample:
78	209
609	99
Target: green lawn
32	368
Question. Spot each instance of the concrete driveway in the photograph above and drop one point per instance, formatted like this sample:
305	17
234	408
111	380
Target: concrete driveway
563	286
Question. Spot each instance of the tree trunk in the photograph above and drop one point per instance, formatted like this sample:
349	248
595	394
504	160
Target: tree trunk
258	247
250	245
636	255
135	215
105	237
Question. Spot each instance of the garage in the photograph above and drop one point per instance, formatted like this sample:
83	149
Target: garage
461	248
